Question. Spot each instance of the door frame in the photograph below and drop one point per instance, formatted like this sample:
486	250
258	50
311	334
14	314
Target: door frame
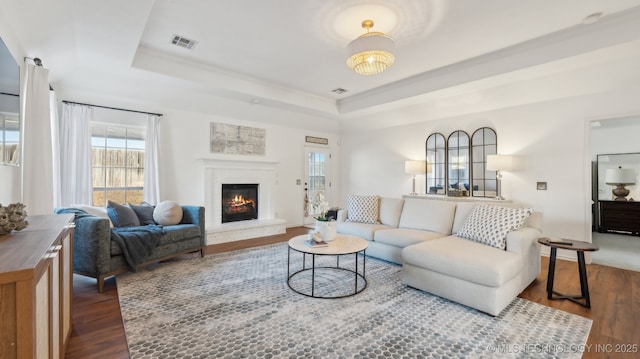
308	219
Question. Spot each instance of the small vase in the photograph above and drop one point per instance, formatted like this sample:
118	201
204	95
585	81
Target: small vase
326	230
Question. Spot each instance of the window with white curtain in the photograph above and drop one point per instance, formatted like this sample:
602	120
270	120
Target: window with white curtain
117	157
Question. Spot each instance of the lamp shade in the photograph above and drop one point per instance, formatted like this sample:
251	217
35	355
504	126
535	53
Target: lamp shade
617	176
500	162
414	167
371	53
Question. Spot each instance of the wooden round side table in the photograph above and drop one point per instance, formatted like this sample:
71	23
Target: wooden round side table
580	247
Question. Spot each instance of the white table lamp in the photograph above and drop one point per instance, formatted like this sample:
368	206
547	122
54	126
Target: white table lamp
500	163
414	167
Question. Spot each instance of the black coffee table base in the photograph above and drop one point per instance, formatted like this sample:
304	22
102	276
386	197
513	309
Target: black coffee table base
359	278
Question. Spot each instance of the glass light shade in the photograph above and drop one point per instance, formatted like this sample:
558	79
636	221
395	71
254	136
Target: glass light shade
624	176
371	53
500	163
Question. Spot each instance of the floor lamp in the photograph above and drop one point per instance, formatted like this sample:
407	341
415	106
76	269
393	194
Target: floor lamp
499	163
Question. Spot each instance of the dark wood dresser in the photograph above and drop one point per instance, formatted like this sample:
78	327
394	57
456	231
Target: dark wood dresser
619	216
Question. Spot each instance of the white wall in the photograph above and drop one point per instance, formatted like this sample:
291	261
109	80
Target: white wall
184	136
551	138
185	139
619	138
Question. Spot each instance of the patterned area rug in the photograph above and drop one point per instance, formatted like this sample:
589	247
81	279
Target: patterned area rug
237	304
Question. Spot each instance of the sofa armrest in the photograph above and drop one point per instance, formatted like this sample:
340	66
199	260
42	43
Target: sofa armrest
342	215
523	240
195	215
92	246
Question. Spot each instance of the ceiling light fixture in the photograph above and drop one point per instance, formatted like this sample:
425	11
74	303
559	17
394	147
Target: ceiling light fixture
370	53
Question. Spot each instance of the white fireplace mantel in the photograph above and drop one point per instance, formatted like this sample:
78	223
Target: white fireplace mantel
218	172
237	164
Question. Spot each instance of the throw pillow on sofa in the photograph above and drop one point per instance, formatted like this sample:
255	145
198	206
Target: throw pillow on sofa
144	213
363	209
94	211
167	213
122	216
490	224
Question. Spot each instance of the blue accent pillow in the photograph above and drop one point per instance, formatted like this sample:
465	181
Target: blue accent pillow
122	216
144	213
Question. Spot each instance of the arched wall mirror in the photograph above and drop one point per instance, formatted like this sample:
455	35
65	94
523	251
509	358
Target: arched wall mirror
9	108
484	142
436	164
458	160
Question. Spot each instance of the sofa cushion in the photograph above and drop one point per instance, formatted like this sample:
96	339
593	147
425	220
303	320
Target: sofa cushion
172	234
464	259
390	211
362	230
167	213
404	237
179	232
363	209
428	215
122	216
489	224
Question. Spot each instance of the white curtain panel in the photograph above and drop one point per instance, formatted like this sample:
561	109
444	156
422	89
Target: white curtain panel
75	155
151	170
55	148
37	157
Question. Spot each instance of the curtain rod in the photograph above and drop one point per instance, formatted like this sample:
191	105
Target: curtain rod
112	108
36	61
9	94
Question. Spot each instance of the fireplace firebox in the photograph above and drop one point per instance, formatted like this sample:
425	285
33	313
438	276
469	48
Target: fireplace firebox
239	202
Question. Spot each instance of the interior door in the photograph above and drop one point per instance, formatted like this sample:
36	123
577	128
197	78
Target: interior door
317	183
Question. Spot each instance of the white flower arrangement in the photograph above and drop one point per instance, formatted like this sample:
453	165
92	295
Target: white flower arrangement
320	205
13	218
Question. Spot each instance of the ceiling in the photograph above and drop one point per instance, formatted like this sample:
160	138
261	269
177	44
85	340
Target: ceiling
291	54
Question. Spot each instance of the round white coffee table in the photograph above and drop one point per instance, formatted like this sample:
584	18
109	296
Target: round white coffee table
342	245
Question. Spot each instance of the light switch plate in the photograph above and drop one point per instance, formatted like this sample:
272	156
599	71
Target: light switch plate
541	186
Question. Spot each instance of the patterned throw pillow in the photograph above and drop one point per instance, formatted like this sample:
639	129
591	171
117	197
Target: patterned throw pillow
363	209
490	224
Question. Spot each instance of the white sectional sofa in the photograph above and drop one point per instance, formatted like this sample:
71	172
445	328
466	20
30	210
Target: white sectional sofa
420	234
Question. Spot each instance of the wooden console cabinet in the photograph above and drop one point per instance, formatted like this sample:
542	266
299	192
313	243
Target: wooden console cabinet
36	279
620	216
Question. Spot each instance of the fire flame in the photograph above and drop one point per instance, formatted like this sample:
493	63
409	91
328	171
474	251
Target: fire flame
239	200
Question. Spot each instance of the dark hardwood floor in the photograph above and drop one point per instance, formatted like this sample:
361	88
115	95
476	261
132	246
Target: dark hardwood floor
98	331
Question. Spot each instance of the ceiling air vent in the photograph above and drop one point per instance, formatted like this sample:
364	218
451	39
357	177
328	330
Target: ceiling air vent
339	90
183	41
